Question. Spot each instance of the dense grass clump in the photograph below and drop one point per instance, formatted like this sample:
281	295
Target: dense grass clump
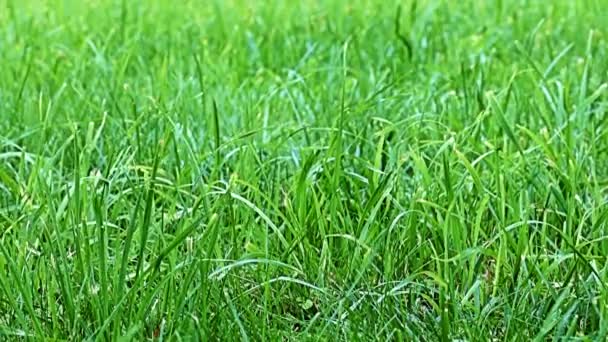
314	170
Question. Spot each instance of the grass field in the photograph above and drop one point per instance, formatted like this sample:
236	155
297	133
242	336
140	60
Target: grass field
314	170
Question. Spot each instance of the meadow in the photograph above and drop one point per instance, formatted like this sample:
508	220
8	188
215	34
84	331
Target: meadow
303	170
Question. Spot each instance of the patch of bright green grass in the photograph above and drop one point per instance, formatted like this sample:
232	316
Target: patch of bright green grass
315	170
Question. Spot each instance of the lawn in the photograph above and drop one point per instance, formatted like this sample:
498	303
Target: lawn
303	170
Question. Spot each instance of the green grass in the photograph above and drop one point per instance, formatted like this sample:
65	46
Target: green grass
315	170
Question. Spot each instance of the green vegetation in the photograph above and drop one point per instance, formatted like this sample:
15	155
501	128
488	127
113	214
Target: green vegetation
315	170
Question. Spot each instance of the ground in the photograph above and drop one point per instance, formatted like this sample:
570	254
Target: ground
313	170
